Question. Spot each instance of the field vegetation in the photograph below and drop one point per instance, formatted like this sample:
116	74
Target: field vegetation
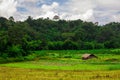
64	65
108	59
7	73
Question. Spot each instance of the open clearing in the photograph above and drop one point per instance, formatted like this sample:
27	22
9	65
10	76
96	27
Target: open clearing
7	73
64	65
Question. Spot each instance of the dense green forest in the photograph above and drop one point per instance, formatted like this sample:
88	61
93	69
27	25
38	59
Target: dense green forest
19	38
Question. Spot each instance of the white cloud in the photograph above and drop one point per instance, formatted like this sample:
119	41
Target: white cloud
116	18
79	9
49	10
103	11
86	16
7	8
110	4
52	7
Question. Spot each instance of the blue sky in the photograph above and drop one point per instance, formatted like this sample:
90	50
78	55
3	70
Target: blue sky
102	11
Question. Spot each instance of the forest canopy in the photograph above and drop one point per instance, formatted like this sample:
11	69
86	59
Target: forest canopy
18	38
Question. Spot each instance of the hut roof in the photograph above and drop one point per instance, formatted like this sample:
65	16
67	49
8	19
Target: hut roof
86	55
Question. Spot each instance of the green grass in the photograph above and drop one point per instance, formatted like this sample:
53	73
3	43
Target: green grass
104	55
64	65
108	59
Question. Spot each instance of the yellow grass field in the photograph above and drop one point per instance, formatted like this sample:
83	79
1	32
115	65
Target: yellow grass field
7	73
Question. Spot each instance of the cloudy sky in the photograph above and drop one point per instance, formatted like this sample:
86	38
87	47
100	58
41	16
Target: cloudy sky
102	11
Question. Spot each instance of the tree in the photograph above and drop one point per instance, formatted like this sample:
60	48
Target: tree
15	35
11	18
70	45
3	41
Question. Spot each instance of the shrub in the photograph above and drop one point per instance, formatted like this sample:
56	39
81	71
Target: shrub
88	45
98	46
112	44
70	45
34	45
30	57
4	55
55	45
15	51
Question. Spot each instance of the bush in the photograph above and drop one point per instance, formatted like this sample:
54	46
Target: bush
30	57
98	46
112	44
88	45
15	51
70	45
4	55
55	45
34	45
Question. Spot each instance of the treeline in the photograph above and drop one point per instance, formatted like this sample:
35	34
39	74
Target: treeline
19	38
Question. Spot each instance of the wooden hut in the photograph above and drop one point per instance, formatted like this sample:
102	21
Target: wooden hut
88	56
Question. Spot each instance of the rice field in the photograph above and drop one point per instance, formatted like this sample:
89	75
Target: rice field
7	73
64	65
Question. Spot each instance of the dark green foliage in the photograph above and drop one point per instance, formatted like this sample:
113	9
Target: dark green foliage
19	38
14	51
70	45
99	46
4	24
34	45
112	44
88	45
3	40
58	45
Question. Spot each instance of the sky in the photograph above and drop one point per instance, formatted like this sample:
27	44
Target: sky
102	11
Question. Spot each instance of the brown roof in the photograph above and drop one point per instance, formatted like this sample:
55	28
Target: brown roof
86	55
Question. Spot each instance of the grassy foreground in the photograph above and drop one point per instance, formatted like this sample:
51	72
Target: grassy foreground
70	60
37	74
64	65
